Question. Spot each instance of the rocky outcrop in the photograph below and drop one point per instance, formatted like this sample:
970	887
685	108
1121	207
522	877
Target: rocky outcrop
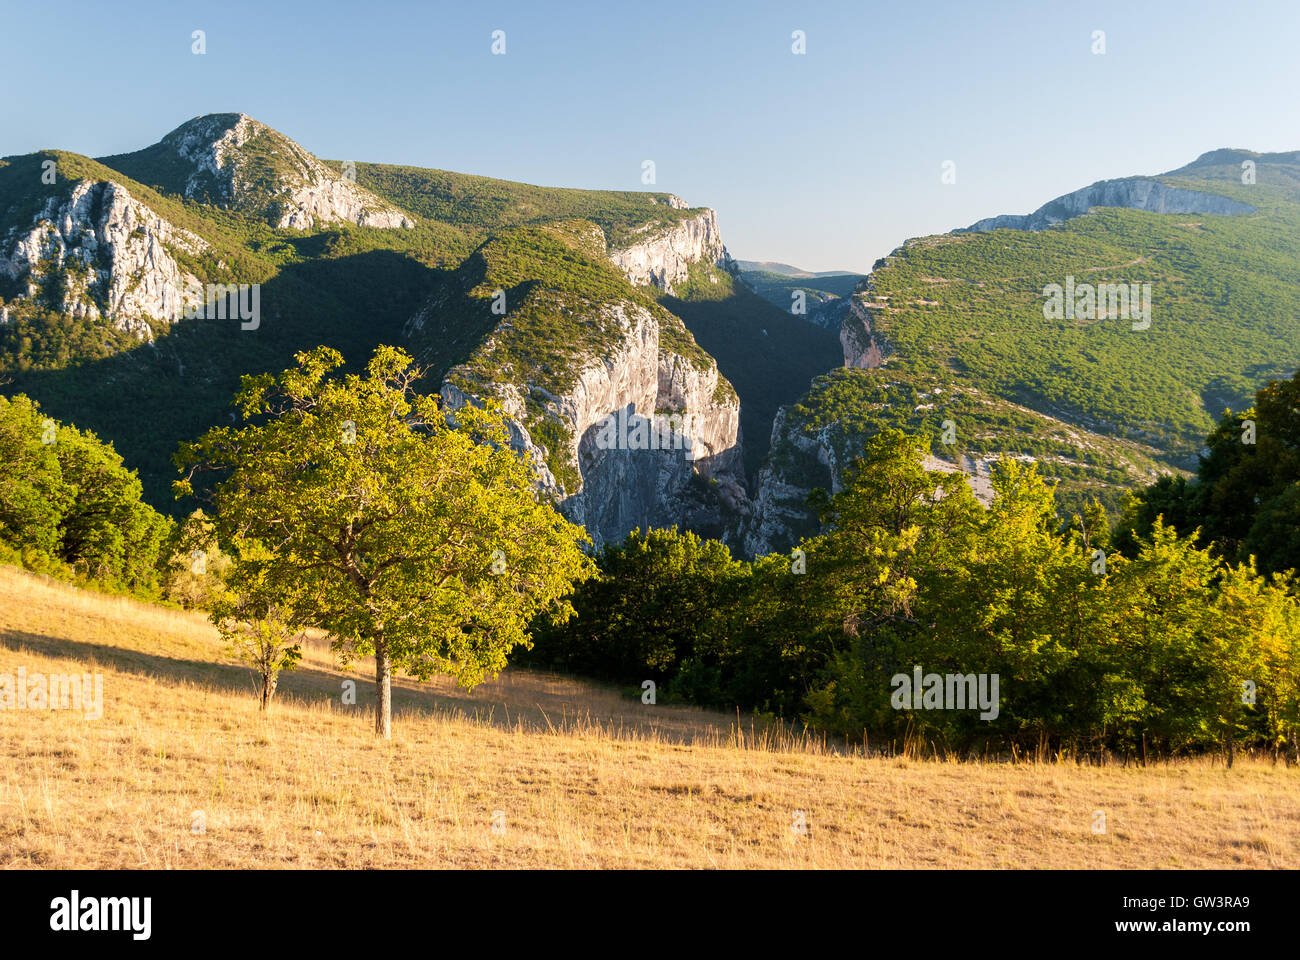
332	201
111	255
803	460
1134	193
233	160
863	344
650	437
796	465
664	258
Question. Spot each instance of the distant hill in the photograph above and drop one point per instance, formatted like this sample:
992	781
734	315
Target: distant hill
958	327
785	270
1224	294
824	294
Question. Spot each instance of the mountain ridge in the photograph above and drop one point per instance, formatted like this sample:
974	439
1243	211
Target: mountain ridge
602	295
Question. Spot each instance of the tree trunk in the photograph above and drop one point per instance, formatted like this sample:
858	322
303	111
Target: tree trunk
268	689
1232	749
383	690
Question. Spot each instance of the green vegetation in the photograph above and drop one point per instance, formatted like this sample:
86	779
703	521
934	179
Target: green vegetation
356	506
846	407
69	508
1093	651
482	205
1245	497
1224	313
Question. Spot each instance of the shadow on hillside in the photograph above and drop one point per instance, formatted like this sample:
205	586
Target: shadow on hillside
535	700
769	355
151	397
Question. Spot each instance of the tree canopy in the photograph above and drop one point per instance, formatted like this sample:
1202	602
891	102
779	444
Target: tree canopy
403	530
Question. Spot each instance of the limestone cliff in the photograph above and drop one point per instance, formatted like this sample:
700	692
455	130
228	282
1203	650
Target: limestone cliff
860	335
664	255
626	422
1135	193
613	489
111	255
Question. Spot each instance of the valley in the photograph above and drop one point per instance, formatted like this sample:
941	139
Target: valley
568	305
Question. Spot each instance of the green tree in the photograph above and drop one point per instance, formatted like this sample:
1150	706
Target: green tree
33	494
255	617
196	564
67	496
654	606
401	529
891	533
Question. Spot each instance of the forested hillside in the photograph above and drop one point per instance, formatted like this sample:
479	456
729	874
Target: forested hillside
1224	295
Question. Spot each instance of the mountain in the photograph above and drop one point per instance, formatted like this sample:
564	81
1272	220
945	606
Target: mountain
960	327
574	347
785	270
107	273
232	161
818	298
582	309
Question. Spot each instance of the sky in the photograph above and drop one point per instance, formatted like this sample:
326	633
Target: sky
826	159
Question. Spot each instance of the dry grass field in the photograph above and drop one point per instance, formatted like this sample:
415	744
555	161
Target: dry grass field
530	771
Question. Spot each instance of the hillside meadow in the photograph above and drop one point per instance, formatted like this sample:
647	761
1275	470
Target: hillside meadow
531	770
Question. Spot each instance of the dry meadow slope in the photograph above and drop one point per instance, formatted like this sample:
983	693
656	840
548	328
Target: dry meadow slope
581	777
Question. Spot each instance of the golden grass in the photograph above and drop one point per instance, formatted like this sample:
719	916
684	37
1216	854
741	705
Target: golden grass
576	775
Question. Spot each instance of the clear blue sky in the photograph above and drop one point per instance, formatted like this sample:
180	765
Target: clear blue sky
826	160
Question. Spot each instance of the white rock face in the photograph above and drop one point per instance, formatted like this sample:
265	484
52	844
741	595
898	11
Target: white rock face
1135	193
310	193
863	344
331	201
622	489
664	258
112	251
211	144
978	471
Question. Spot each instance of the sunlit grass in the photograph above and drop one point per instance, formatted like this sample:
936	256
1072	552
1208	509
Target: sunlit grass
570	774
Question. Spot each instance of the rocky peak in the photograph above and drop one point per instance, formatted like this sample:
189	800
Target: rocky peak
234	161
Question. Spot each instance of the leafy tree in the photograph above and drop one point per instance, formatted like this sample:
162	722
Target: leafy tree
400	529
196	565
888	527
256	619
33	493
652	607
68	497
